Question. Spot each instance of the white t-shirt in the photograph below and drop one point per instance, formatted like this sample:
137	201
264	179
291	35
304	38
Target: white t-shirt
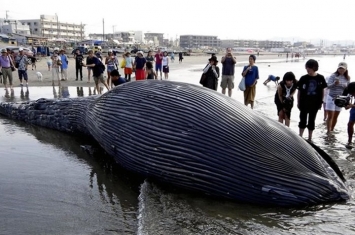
165	61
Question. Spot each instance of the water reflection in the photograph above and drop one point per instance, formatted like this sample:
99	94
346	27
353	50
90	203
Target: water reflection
25	95
105	201
63	92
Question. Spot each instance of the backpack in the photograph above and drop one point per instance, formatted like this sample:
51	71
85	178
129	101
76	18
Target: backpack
102	66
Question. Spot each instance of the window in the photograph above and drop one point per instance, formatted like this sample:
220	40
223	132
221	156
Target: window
36	29
34	23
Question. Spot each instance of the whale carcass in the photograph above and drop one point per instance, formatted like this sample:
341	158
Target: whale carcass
197	139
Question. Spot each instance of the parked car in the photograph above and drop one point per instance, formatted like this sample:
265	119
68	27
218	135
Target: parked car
15	49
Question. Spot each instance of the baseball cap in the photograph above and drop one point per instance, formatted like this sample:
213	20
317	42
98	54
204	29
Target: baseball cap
110	50
20	49
140	52
343	65
3	50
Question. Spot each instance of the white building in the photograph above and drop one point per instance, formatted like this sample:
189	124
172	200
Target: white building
9	26
50	27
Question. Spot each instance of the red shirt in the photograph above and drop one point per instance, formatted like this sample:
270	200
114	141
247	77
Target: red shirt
158	58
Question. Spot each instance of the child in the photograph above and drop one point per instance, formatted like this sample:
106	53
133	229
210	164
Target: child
149	72
272	78
165	64
284	97
49	63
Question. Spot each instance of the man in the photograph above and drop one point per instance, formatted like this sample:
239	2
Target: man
5	67
21	64
79	64
350	90
228	61
158	62
116	78
98	69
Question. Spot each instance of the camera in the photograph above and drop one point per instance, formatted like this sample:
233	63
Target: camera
342	101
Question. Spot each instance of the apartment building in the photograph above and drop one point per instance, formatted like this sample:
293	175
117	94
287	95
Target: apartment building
266	44
50	27
195	41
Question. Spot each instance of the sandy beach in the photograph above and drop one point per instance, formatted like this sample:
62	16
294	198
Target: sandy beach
188	62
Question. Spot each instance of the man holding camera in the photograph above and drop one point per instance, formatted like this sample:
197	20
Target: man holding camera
228	61
350	91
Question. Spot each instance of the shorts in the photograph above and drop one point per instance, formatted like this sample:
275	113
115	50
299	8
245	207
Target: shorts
127	70
158	67
99	78
352	115
110	68
227	81
22	74
166	69
330	106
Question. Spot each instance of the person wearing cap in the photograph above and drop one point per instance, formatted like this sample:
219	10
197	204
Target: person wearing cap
336	84
56	64
310	97
139	65
21	64
111	63
211	72
128	65
5	67
251	75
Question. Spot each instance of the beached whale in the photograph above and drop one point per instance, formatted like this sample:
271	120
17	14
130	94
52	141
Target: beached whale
197	139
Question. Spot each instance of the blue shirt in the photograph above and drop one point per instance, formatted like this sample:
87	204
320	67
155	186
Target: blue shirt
64	60
272	78
251	75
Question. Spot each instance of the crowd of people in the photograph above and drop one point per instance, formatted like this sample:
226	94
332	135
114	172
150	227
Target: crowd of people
313	91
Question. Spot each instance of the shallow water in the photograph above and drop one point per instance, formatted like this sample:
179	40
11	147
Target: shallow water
49	184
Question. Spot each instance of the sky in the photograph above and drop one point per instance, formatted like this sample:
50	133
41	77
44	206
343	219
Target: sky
292	20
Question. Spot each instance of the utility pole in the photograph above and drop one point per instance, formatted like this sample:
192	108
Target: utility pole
81	31
58	33
103	29
113	32
7	14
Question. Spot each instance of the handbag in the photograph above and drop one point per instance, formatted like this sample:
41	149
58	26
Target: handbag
203	79
241	85
11	64
123	63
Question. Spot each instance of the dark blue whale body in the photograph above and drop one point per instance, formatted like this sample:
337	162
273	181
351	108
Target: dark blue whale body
198	139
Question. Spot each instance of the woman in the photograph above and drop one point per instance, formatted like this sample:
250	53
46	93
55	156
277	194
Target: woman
165	64
128	68
284	97
139	65
211	72
149	72
111	62
337	82
150	57
251	75
309	97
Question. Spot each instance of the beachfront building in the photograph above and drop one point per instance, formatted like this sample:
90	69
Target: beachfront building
266	44
196	41
128	37
155	39
48	26
9	26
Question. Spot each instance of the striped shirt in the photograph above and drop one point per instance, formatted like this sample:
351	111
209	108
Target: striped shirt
335	90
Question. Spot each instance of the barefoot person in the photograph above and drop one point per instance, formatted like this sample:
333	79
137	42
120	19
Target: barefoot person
310	97
337	82
251	74
284	97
